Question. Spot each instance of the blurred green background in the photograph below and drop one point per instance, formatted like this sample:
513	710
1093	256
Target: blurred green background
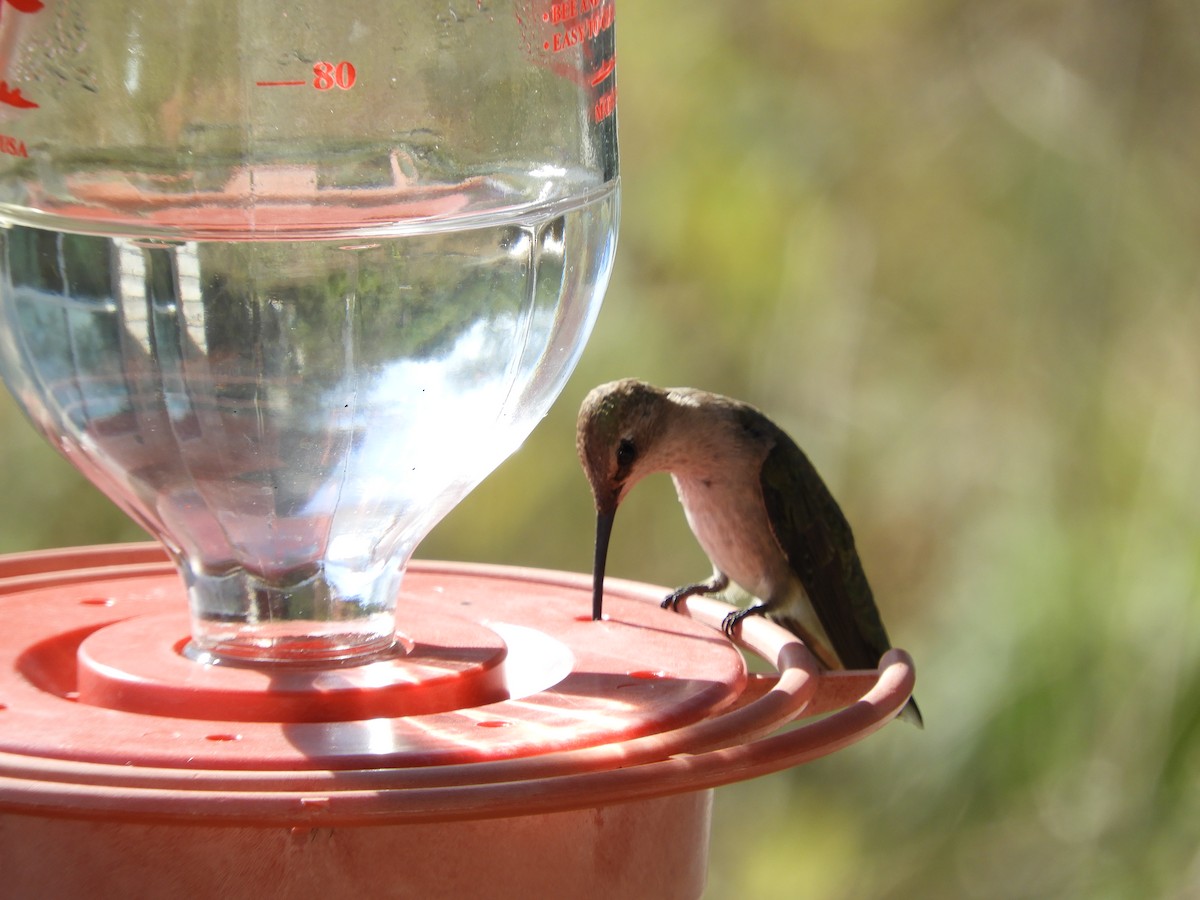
952	248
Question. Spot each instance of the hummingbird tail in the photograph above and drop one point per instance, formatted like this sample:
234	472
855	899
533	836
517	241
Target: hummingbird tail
911	713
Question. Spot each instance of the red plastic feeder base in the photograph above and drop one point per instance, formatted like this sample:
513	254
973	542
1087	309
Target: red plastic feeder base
510	747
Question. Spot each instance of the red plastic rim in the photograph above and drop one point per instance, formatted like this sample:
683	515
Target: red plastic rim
507	701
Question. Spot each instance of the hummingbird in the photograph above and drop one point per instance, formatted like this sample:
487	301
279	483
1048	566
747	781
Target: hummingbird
755	504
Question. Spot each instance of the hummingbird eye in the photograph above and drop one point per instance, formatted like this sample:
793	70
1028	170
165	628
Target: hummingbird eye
626	454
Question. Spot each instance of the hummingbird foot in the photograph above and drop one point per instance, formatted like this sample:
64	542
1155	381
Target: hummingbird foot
731	621
714	585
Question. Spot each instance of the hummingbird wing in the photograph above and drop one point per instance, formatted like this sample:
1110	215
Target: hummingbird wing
815	537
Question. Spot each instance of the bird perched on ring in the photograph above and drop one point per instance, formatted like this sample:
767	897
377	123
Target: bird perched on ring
755	503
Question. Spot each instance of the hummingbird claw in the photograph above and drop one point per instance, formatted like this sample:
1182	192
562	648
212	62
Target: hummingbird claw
714	585
673	599
734	619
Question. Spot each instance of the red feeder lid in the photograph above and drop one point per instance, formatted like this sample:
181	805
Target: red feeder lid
502	698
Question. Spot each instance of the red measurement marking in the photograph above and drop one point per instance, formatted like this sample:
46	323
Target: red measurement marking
605	106
604	71
27	6
13	146
327	76
13	97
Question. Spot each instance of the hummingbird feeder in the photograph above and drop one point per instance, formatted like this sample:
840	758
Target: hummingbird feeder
508	747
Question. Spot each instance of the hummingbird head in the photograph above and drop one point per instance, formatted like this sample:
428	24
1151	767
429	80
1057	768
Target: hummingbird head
619	427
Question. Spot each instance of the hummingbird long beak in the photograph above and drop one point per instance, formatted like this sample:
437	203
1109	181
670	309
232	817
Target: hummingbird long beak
604	524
